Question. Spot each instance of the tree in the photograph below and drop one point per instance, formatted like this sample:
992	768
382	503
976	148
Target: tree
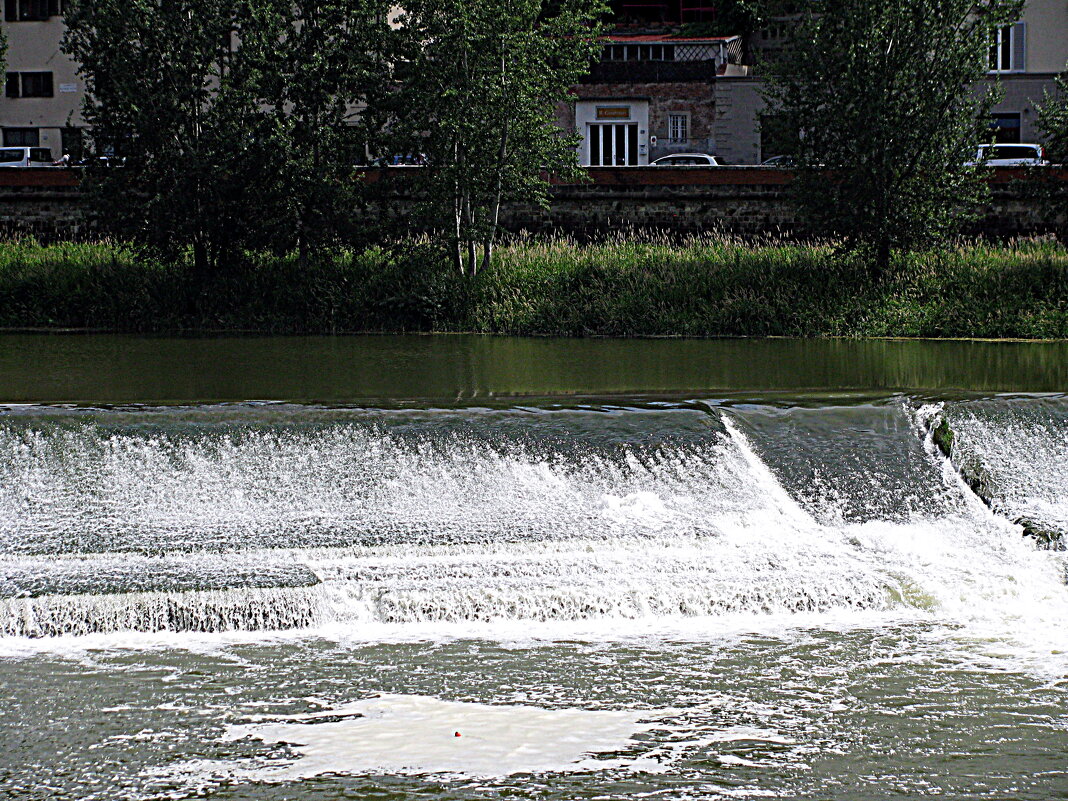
160	95
1053	123
882	96
234	118
1053	120
313	66
480	84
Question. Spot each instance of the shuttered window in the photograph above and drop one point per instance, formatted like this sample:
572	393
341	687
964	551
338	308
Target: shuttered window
678	128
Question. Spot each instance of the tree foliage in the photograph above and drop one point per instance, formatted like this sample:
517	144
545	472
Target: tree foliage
880	95
314	67
480	82
160	93
230	116
1053	120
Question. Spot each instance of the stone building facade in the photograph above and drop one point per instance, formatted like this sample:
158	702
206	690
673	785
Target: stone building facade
650	95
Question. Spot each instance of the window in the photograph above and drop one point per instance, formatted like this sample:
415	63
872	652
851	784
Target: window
678	128
21	137
1005	127
29	10
656	52
1007	48
29	84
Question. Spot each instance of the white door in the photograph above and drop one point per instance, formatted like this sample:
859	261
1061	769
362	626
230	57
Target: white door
613	144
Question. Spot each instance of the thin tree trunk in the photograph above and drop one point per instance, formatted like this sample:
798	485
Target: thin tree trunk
457	214
469	236
495	214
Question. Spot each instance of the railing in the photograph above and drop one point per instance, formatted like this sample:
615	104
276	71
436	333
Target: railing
651	72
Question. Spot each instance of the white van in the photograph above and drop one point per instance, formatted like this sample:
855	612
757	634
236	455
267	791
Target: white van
25	157
1010	156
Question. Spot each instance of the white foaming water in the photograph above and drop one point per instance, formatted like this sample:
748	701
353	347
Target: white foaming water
410	734
1023	449
72	490
685	542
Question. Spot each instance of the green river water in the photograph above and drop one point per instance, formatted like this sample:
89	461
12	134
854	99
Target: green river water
467	567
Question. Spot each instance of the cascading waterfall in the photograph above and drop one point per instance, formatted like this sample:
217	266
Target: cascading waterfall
1013	455
184	520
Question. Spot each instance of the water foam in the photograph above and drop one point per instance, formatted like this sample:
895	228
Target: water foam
408	734
1022	448
457	537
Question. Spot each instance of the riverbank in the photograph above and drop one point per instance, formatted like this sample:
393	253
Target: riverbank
701	287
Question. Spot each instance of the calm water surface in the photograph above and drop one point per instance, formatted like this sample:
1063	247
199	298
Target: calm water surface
277	568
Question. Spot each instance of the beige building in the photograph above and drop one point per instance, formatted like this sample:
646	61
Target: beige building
1024	59
43	94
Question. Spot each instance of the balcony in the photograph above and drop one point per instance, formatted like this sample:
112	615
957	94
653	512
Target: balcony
651	72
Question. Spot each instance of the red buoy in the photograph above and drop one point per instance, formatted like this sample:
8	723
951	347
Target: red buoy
456	734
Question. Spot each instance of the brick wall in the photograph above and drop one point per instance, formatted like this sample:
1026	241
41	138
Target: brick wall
748	201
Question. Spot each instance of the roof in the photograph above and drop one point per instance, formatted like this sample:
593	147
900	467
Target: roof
659	38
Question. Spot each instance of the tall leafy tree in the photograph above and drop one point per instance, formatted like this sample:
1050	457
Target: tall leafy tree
236	119
480	81
882	96
160	94
1053	123
318	72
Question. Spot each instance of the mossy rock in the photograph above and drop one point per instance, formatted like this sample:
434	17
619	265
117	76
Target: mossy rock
1047	537
942	435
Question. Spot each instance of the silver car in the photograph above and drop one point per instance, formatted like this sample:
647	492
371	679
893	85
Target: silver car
687	160
25	157
1009	156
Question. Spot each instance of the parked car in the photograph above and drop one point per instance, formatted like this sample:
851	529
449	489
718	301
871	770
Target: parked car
1009	156
687	160
778	161
25	157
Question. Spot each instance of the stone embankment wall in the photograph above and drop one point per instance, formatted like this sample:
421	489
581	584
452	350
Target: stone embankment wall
747	201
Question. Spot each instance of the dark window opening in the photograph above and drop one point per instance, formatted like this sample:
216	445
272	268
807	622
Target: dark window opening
777	138
658	52
22	137
29	84
31	10
1005	128
72	142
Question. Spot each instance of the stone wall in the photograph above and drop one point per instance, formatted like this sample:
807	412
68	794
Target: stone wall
44	203
748	201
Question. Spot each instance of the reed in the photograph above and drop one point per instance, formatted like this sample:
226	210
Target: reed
626	286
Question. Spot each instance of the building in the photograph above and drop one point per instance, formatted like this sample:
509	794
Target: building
649	95
658	87
43	94
1025	58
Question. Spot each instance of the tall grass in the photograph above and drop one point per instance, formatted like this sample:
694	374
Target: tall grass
632	286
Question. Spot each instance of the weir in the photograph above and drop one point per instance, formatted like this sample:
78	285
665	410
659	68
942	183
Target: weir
174	520
990	448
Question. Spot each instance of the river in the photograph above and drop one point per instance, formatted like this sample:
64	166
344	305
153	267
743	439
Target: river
469	567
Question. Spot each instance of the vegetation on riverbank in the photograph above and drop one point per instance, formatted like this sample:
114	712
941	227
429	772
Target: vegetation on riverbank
626	287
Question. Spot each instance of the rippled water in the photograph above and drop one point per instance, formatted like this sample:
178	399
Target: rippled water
670	599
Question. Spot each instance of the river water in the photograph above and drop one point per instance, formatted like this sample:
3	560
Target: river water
471	568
